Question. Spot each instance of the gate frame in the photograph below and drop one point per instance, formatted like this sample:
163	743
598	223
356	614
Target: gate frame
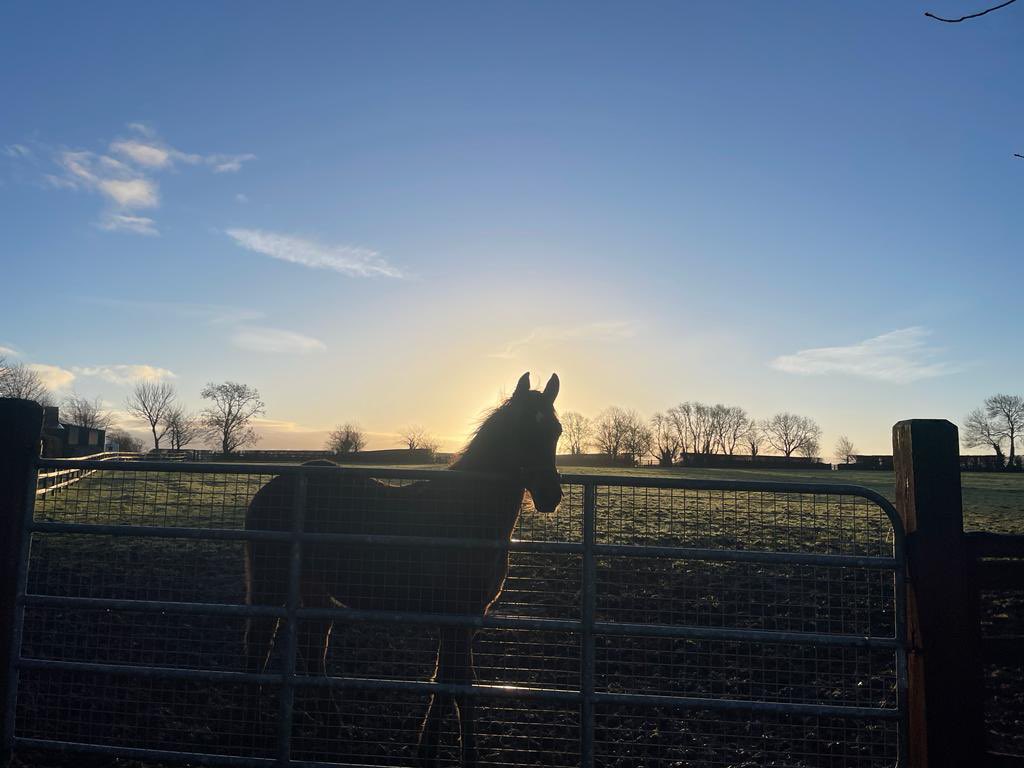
585	697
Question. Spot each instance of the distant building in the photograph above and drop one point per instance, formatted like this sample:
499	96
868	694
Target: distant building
66	441
869	461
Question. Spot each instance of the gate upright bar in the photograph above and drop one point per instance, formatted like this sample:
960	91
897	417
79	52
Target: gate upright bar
23	422
587	630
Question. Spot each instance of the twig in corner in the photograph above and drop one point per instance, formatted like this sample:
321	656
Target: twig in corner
970	16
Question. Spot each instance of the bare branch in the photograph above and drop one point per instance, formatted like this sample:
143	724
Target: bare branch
970	15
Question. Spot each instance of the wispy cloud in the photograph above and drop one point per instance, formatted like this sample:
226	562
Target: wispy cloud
551	334
347	259
900	356
140	225
17	150
262	339
53	376
241	197
8	351
123	175
240	324
124	374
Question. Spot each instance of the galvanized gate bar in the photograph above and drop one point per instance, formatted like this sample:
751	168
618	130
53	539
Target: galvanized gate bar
476	690
552	547
589	598
291	628
683	631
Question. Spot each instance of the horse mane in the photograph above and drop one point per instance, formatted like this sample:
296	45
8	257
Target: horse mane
482	439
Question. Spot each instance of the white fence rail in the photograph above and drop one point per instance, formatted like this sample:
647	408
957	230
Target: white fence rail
55	480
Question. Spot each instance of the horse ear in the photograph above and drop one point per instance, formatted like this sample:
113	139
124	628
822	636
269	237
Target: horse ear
551	390
523	386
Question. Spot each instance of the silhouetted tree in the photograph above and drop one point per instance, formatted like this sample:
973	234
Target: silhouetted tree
126	442
981	431
19	380
637	440
348	438
183	427
789	433
576	432
232	408
664	439
152	401
696	426
91	414
844	451
1007	413
754	437
610	431
730	423
415	436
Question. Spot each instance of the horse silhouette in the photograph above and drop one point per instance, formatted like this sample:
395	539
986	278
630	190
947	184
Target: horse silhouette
513	451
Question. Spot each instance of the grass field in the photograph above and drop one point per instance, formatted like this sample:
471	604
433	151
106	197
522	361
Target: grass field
380	728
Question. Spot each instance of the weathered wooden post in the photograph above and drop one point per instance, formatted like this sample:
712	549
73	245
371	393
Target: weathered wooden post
945	694
21	425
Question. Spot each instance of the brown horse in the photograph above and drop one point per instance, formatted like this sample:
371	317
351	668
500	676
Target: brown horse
513	450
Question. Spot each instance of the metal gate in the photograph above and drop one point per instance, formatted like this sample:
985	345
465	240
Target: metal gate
648	621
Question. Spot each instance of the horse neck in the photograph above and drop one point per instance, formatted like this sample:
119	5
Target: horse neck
487	452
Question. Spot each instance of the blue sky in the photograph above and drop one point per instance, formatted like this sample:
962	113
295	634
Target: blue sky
386	212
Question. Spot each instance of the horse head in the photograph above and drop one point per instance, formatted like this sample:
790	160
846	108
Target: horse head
536	430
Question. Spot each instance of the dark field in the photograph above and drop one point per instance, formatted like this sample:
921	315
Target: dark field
379	727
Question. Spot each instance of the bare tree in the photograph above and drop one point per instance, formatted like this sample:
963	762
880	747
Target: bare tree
415	436
981	430
729	423
90	414
677	420
609	430
845	453
753	438
126	442
228	418
789	433
637	440
19	380
183	427
696	425
810	449
348	438
152	401
1007	411
576	432
664	439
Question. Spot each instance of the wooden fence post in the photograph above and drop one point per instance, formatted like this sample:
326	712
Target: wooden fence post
945	694
21	426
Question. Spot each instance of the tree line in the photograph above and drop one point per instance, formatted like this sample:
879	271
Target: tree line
225	423
350	438
690	429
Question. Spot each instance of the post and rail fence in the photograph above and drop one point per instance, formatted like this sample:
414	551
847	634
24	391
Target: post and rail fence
651	620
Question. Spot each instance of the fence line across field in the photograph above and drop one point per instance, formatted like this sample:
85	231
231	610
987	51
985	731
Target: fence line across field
587	628
47	482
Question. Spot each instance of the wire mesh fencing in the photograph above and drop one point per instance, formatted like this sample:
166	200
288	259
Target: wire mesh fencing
265	615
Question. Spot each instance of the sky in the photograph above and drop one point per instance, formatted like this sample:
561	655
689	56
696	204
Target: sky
386	212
